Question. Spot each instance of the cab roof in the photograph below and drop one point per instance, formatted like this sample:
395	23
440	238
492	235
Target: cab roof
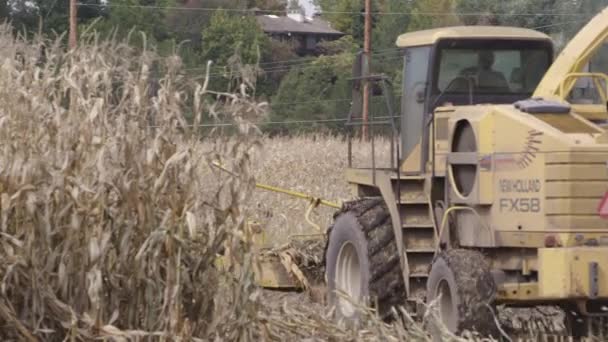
430	37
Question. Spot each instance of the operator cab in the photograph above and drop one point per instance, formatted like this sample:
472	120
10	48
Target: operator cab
467	65
473	65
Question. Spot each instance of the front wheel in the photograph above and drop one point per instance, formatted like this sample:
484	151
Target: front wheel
362	260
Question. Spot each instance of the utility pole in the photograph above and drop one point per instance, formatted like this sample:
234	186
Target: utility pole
73	24
367	48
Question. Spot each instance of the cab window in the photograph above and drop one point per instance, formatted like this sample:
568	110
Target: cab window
480	68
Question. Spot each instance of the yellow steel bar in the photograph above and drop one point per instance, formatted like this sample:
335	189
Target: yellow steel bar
596	77
574	57
297	195
317	201
598	84
462	208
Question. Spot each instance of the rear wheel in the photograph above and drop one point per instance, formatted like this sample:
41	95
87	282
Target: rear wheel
461	284
362	260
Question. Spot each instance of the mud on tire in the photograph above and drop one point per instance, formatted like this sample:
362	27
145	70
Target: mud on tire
365	227
467	291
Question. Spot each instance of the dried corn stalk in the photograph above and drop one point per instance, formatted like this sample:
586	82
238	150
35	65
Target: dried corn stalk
110	216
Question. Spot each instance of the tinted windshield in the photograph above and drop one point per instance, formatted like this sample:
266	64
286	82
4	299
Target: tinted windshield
491	68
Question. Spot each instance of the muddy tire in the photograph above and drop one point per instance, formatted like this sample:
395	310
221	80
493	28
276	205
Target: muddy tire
467	289
362	260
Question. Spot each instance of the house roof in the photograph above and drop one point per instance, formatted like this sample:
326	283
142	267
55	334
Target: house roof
276	24
429	37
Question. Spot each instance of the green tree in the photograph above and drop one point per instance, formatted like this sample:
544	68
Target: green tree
389	27
185	26
428	14
347	16
124	16
565	28
294	5
268	5
26	15
520	13
316	92
278	59
4	10
230	35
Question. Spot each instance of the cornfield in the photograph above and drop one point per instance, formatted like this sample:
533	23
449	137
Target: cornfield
107	229
112	215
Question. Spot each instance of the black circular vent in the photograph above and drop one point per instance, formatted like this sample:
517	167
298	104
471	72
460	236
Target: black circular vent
464	174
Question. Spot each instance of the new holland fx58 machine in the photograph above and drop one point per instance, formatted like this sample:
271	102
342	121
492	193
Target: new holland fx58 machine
494	195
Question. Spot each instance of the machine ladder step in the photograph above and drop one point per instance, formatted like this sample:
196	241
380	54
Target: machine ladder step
415	200
419	275
418	231
422	225
419	250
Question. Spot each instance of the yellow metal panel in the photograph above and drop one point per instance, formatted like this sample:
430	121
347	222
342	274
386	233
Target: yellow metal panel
517	292
595	189
600	157
577	172
578	222
591	111
568	123
575	206
565	272
520	239
270	273
485	137
574	57
536	239
413	161
554	273
429	37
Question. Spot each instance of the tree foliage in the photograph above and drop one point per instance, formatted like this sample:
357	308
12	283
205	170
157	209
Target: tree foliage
348	16
318	85
521	13
228	34
233	35
432	13
50	16
4	10
317	92
388	27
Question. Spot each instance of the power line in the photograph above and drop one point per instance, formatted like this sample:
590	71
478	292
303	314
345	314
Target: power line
289	68
269	123
322	100
304	61
559	24
266	123
308	102
239	10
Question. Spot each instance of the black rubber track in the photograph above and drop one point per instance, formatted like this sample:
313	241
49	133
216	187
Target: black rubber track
386	287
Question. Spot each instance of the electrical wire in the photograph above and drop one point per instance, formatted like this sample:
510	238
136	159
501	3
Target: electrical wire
242	10
306	61
294	122
287	68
